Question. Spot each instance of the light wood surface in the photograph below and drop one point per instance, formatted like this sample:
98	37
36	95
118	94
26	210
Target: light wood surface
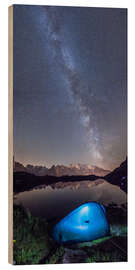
10	134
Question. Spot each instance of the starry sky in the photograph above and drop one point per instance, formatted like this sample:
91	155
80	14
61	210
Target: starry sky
70	85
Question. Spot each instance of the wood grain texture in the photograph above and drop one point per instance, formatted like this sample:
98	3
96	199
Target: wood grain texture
10	134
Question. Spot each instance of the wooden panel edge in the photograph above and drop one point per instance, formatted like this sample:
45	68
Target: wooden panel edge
10	134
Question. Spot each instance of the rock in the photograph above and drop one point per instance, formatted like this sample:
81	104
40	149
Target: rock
74	256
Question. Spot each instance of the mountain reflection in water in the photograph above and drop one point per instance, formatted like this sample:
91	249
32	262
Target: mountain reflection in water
59	199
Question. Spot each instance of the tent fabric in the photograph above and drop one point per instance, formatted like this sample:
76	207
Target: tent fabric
87	222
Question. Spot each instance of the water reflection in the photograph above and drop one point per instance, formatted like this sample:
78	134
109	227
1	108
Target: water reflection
59	199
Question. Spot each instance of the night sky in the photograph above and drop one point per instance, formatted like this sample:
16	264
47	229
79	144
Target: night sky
70	85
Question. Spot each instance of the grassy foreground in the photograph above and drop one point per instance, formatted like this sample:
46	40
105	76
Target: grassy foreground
31	239
33	244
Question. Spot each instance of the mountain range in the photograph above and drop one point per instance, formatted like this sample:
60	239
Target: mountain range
119	176
24	180
61	170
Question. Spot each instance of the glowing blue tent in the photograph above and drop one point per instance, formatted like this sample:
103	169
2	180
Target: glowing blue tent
87	222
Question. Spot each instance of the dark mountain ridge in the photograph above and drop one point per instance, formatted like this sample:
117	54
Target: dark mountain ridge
119	176
25	181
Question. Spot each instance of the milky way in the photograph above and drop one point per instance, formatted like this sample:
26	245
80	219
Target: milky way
70	85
